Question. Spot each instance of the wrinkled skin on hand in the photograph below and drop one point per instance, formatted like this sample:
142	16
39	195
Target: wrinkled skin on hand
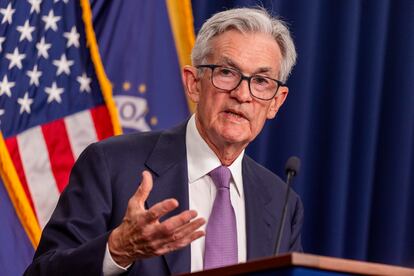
141	234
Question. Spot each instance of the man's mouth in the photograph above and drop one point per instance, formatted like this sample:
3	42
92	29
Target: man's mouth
235	114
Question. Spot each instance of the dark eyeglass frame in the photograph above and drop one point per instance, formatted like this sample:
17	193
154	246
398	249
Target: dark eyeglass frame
243	77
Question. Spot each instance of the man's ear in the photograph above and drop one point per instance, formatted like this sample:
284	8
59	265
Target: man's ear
277	101
190	81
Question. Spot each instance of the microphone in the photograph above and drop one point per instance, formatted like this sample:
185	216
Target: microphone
292	168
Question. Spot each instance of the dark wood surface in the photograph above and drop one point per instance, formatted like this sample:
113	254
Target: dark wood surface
309	261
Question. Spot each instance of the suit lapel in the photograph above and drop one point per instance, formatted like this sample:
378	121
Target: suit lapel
168	162
259	219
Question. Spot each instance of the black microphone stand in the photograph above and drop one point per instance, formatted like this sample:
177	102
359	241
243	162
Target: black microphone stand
292	167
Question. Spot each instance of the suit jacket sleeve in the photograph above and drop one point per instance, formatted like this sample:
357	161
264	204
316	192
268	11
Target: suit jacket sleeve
74	240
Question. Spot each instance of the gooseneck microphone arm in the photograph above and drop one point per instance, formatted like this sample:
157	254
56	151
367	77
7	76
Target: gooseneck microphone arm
291	169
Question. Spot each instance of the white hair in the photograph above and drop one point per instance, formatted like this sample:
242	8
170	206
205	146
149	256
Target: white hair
246	20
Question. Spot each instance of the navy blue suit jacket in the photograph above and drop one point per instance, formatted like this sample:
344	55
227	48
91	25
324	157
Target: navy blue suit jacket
108	173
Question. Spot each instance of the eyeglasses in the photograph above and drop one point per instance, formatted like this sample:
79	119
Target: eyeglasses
228	79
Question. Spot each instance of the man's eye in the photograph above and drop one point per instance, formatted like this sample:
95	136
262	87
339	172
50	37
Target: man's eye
261	81
225	72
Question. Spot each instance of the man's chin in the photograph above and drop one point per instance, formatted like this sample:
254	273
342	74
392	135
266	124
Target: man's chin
235	137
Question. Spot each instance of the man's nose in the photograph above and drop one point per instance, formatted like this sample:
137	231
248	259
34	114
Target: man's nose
242	92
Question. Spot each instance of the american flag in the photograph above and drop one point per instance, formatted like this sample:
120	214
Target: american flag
51	104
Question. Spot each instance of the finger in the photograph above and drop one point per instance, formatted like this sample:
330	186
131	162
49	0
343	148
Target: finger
189	239
144	188
187	229
160	209
187	234
161	238
169	247
169	226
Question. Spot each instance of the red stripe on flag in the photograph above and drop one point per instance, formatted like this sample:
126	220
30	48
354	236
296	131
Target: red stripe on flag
102	122
13	148
60	153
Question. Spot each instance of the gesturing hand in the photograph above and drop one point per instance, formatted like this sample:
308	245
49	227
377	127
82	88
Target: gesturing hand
142	235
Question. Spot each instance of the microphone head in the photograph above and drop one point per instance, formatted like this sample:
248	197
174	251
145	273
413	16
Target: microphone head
292	165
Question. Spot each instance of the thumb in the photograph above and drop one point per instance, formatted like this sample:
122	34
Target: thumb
144	188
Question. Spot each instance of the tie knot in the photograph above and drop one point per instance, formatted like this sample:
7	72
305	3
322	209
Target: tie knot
221	177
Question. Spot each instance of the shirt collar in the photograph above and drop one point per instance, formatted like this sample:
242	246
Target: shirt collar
201	159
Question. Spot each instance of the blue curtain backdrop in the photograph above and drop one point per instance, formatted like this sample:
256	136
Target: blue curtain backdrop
350	118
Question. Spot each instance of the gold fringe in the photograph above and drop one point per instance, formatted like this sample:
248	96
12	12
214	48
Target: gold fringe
17	195
104	83
181	20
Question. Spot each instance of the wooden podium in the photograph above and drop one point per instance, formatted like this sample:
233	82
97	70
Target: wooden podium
298	264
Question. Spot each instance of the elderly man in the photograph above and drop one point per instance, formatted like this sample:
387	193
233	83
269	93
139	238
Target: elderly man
188	198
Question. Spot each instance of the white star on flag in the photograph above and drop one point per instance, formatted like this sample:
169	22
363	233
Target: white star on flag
42	48
25	103
72	37
34	76
54	93
7	14
35	5
5	86
63	65
15	59
2	39
51	21
25	31
85	83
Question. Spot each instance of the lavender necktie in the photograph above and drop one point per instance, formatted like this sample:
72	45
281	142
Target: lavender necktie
221	231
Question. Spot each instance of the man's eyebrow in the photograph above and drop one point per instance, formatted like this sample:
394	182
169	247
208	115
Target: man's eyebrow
231	63
263	70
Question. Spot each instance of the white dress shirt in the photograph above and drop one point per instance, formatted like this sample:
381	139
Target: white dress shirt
202	192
